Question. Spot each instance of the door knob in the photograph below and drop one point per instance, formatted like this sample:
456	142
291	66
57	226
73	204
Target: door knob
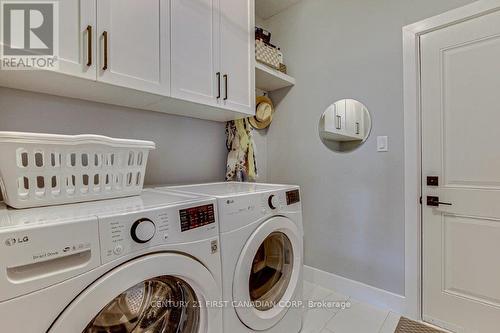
434	202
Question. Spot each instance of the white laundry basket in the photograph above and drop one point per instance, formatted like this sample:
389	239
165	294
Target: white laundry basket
48	169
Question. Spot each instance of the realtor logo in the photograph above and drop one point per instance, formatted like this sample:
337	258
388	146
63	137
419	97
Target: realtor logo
29	35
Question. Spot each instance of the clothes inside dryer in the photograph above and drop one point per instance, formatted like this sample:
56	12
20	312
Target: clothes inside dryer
271	271
160	305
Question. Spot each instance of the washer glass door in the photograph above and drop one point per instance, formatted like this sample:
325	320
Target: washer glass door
164	304
161	292
271	271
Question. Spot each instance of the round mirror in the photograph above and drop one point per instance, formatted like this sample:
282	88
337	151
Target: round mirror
345	125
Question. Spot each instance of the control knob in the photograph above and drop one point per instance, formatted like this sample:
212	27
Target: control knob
143	230
273	201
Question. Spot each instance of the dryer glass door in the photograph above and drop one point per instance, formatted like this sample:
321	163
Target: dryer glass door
268	273
271	271
163	304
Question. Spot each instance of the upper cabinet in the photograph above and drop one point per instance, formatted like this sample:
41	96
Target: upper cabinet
346	120
77	50
195	51
212	53
134	44
187	57
121	42
237	53
354	119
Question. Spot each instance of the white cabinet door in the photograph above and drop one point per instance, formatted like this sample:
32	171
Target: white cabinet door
360	124
77	31
134	44
195	45
350	118
354	119
237	55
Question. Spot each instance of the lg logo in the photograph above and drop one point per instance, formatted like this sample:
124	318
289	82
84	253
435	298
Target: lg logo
14	241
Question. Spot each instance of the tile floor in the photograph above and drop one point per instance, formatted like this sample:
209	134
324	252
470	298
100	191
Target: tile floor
343	315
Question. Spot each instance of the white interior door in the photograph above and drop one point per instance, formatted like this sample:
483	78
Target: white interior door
195	57
77	31
237	55
461	138
134	44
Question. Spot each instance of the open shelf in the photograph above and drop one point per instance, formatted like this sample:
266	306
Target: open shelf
270	79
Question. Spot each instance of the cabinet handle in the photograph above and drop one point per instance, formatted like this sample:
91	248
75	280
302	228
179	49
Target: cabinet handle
218	85
225	83
105	39
357	127
339	122
89	45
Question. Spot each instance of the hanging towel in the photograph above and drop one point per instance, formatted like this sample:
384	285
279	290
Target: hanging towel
241	164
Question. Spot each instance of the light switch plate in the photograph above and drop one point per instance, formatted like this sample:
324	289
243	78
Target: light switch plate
382	143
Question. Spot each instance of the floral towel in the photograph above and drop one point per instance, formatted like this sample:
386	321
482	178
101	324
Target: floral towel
241	164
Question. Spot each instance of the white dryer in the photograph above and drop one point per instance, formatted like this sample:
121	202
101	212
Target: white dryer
262	254
141	264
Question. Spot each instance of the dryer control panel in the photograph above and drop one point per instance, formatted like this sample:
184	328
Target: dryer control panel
292	197
238	210
272	201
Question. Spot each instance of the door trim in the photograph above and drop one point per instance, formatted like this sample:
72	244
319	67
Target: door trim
412	142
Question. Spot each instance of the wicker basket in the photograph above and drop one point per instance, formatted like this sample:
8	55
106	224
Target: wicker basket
267	54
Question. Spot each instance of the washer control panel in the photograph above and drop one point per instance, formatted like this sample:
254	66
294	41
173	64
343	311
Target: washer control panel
195	217
128	233
132	232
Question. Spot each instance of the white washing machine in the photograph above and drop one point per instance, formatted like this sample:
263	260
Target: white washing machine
149	263
262	254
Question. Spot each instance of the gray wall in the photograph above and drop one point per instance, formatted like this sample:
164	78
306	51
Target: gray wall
188	150
353	203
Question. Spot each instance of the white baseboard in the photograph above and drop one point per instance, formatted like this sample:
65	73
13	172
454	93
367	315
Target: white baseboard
356	290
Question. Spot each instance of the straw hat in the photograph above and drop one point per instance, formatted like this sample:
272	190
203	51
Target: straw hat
263	113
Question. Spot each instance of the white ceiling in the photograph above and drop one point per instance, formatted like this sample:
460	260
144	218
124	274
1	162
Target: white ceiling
267	8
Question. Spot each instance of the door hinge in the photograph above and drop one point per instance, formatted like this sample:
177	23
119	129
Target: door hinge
420	200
